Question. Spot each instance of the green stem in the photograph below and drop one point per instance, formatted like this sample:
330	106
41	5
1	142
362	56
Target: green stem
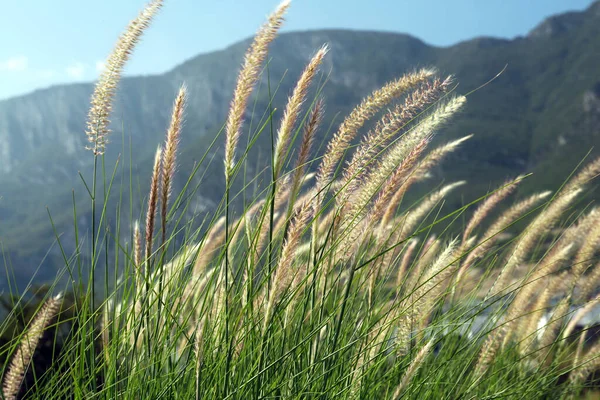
226	278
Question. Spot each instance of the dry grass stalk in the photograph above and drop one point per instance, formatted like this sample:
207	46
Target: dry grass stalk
282	195
375	341
325	223
590	364
405	262
575	235
412	369
397	164
390	125
310	129
235	231
529	238
590	283
352	239
357	118
528	329
240	226
174	267
413	217
436	155
357	376
137	254
543	223
589	172
152	202
98	121
293	107
434	282
11	383
193	290
394	181
198	353
591	243
213	238
579	315
489	350
392	159
552	330
105	325
428	254
433	158
420	302
531	285
488	205
170	156
247	79
516	311
491	236
137	245
284	274
579	350
424	260
553	261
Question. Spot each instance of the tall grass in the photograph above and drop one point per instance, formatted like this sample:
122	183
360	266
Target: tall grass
327	285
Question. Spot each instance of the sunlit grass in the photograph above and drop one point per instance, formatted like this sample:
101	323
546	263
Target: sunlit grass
326	284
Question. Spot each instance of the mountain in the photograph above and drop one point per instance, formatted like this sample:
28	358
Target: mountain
541	115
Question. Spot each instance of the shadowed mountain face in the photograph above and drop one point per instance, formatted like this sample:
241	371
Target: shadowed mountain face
541	115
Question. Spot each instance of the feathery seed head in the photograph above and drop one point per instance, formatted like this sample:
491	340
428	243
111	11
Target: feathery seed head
169	159
435	156
292	110
11	384
309	132
589	172
414	216
283	275
488	204
590	235
247	79
413	368
422	133
420	172
349	128
137	239
391	125
104	92
152	201
528	239
405	261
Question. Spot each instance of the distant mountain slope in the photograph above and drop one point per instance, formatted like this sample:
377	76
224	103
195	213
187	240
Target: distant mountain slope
541	115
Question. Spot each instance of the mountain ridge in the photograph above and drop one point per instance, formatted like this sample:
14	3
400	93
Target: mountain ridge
544	105
593	8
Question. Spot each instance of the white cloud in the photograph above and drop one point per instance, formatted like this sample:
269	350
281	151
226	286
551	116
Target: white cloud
14	64
76	70
46	73
100	66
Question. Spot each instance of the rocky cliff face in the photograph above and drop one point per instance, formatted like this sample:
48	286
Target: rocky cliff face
545	105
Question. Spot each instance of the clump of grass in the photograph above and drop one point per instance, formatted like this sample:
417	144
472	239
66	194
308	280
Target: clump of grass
332	287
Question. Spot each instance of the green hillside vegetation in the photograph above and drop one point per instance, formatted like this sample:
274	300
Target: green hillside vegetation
544	105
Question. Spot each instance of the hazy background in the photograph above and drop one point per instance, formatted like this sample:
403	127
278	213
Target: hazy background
48	42
541	116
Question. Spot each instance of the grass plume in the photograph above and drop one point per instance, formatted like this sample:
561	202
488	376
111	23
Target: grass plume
343	275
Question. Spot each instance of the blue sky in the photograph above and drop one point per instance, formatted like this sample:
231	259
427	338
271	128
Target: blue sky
45	42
